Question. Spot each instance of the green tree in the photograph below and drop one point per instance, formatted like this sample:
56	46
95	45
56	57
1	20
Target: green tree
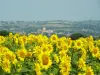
76	36
4	33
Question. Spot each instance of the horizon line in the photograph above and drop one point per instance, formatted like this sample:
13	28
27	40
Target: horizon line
50	20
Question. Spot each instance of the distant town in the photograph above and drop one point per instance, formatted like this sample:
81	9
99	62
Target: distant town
60	27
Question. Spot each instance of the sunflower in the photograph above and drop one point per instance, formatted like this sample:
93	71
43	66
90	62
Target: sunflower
21	54
64	46
13	59
10	35
44	48
54	38
78	44
3	50
81	64
69	42
83	53
45	61
35	38
85	43
24	39
91	46
50	48
64	38
59	43
90	38
37	51
17	35
21	42
98	43
15	39
56	58
89	71
95	51
98	56
6	65
29	54
2	39
30	38
41	39
65	67
62	54
38	69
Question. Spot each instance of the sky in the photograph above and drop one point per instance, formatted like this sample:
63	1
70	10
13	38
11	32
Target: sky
43	10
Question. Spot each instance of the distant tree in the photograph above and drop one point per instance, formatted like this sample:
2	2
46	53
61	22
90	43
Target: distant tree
4	33
76	36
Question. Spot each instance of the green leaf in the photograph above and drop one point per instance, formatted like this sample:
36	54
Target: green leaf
24	69
1	71
44	73
55	71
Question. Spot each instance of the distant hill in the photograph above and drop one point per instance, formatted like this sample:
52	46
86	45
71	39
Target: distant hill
88	27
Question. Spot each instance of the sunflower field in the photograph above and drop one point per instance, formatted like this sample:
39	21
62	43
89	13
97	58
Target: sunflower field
42	55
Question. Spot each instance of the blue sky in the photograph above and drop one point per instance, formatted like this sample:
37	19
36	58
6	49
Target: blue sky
41	10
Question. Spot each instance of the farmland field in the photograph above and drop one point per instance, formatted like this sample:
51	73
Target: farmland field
42	55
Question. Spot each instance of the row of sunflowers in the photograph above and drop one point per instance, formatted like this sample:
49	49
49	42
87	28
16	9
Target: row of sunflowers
42	55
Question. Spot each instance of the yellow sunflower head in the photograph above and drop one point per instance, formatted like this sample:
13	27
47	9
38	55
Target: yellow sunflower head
56	58
13	59
44	48
37	51
6	66
95	51
89	71
38	69
98	56
2	39
21	54
50	48
45	61
91	46
65	67
8	55
83	53
81	64
54	38
78	44
29	54
69	42
10	35
24	39
90	38
59	43
64	46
